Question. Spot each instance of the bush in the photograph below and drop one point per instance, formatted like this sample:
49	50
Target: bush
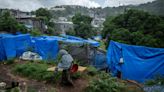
135	27
105	83
156	81
76	75
35	71
35	32
91	71
10	61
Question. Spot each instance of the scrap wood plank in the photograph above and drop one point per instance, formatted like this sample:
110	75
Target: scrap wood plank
80	69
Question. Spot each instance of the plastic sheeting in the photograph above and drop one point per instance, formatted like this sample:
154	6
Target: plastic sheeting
99	60
73	39
2	51
139	63
47	48
14	45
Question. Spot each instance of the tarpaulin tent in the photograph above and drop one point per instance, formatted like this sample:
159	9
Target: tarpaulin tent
139	63
99	60
47	48
2	51
74	39
14	45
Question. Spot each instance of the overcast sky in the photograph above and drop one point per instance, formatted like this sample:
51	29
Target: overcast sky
28	5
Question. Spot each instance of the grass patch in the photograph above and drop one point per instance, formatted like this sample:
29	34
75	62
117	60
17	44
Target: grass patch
91	71
102	45
36	71
156	81
9	61
105	83
76	75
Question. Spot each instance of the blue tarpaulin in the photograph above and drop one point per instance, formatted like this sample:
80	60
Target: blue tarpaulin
47	48
99	60
2	51
139	63
74	39
14	45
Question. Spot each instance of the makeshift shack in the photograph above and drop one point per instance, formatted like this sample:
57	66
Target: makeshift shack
137	63
13	45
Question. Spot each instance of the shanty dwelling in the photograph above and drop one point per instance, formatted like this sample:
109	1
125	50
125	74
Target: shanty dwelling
33	23
97	23
62	25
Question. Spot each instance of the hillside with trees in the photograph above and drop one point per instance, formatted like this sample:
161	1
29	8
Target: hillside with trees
155	7
83	26
135	27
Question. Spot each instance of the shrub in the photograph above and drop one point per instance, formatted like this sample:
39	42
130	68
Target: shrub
35	32
35	71
157	81
76	75
10	61
91	71
105	83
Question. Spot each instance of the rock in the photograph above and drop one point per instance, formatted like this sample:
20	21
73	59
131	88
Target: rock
2	84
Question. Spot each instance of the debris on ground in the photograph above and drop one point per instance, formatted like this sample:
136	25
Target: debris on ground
30	56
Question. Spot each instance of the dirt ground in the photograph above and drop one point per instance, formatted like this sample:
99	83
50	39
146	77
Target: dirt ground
34	86
7	76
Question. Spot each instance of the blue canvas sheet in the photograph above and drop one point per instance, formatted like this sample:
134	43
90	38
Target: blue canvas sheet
92	42
99	60
73	39
2	51
47	48
14	45
139	63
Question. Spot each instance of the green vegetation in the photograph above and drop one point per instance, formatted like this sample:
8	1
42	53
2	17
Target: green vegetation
44	13
36	71
105	83
155	7
102	45
135	27
9	24
46	16
70	32
35	32
92	71
76	75
83	26
156	81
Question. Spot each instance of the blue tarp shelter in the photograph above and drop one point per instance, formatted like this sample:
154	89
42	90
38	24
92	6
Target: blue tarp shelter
73	39
13	45
139	63
99	60
46	47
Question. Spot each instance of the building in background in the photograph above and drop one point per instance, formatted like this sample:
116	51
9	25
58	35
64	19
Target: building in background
28	19
97	23
62	25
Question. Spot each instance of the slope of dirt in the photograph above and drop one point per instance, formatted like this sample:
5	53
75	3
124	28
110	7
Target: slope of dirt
7	76
79	86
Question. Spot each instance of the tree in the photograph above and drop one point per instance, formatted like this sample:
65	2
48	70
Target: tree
135	27
83	26
9	24
44	13
46	16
